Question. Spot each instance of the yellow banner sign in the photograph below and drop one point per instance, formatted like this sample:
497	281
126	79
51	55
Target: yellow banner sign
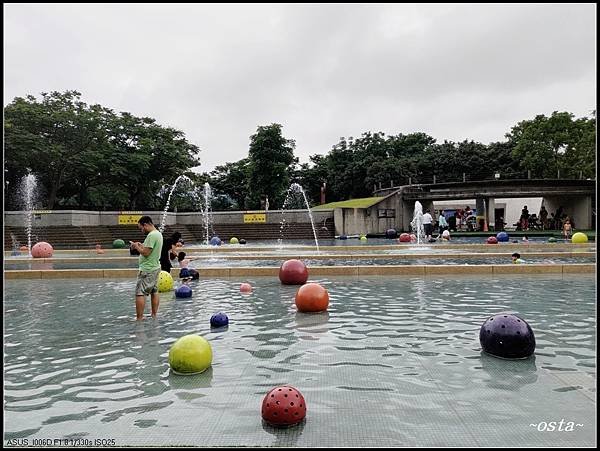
129	219
255	217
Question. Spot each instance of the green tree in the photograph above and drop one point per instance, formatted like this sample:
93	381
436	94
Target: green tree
270	163
231	180
90	156
540	144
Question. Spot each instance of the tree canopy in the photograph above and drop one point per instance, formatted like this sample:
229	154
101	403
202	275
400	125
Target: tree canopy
88	156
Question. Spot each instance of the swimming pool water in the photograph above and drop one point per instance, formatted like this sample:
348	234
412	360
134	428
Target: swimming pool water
395	361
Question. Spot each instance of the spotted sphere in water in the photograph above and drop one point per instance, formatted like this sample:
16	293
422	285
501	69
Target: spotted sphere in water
508	336
283	406
165	282
42	250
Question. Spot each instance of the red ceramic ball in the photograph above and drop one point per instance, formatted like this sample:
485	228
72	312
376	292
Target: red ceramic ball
492	240
283	406
404	238
312	297
42	250
293	272
246	288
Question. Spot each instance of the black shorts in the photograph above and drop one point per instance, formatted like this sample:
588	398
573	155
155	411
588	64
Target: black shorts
428	229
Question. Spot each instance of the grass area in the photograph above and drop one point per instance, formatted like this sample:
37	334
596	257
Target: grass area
352	203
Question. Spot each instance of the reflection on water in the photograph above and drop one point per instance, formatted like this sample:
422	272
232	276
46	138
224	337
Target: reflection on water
394	361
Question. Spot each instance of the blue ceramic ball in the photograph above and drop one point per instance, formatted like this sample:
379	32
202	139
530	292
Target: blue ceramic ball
219	320
215	241
183	292
391	233
184	272
502	237
507	336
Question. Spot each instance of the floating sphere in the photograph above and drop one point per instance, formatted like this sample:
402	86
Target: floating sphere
246	288
24	248
551	240
215	241
579	238
502	237
42	250
183	292
293	272
242	241
191	354
413	238
118	244
219	320
343	237
312	297
184	272
234	240
363	238
492	240
283	406
404	238
507	336
391	233
165	282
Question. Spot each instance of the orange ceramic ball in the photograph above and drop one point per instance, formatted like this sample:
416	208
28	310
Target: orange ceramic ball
42	250
246	288
24	248
312	297
293	272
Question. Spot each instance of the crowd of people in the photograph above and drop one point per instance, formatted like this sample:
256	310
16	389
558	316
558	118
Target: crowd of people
557	221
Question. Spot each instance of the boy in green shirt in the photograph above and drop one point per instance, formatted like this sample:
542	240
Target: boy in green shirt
149	265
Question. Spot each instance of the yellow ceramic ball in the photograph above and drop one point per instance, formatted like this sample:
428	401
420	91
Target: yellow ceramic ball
579	238
191	354
165	282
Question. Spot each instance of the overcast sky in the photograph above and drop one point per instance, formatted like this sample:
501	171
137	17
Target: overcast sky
218	71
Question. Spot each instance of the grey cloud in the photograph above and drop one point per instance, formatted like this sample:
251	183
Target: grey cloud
322	71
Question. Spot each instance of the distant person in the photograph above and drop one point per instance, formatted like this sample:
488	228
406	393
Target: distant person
524	218
169	251
516	258
149	267
266	204
525	240
499	226
428	225
459	218
442	223
446	235
567	229
185	271
452	222
544	217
